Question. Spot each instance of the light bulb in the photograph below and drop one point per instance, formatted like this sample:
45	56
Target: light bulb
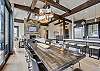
95	20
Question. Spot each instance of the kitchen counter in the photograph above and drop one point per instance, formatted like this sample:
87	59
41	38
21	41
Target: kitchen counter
55	58
83	40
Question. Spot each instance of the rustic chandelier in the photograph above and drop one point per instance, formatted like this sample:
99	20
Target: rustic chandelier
45	13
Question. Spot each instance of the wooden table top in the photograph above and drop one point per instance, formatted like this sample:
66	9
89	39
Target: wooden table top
55	58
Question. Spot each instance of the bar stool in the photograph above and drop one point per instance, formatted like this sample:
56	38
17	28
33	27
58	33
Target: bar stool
34	65
48	41
61	43
42	67
37	59
72	44
82	48
66	45
27	55
91	48
73	47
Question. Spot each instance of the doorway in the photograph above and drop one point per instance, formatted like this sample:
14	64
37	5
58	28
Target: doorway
16	31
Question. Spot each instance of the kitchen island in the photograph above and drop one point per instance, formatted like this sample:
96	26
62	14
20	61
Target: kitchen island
55	58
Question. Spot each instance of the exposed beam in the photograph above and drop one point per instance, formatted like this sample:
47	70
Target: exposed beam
82	7
32	7
22	21
57	5
52	21
79	8
36	10
18	20
62	18
26	8
56	16
58	23
64	34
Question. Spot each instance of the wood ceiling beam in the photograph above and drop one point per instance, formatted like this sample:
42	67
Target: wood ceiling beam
62	18
26	8
31	7
81	7
56	16
52	21
22	21
18	20
58	23
56	5
36	10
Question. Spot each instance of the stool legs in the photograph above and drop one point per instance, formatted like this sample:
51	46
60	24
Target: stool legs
90	52
99	54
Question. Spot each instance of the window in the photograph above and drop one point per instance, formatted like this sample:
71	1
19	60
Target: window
79	32
1	25
93	30
16	31
6	31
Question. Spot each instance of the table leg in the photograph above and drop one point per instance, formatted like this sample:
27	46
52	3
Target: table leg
99	54
79	65
90	52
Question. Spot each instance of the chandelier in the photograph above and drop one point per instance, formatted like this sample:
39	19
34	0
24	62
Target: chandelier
45	13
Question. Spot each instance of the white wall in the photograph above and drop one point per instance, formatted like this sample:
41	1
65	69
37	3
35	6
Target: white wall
54	28
21	28
42	31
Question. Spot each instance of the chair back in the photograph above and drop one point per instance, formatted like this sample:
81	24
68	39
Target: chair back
34	65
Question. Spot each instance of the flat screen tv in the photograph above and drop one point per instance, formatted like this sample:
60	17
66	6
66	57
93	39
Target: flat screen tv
32	29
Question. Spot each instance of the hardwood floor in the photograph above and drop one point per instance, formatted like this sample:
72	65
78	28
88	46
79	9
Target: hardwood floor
16	61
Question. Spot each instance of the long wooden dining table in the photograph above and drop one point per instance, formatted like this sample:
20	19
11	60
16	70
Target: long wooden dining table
55	58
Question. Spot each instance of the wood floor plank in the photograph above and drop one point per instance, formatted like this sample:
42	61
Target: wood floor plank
16	61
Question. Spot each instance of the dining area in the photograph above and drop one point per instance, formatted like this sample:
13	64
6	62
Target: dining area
50	35
62	56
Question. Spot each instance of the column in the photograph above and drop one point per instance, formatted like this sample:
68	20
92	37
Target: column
72	26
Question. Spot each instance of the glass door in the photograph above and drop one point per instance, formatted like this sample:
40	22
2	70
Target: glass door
6	31
1	31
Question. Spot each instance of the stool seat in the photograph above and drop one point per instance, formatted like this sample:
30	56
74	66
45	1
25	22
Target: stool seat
66	43
72	44
94	47
81	45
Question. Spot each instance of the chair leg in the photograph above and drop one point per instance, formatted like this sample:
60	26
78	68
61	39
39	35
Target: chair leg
79	65
99	54
90	52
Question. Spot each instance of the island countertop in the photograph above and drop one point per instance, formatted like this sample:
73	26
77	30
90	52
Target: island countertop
54	58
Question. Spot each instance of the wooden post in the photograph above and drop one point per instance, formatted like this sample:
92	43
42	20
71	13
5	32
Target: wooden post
64	29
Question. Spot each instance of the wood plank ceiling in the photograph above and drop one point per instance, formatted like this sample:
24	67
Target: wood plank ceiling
57	5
